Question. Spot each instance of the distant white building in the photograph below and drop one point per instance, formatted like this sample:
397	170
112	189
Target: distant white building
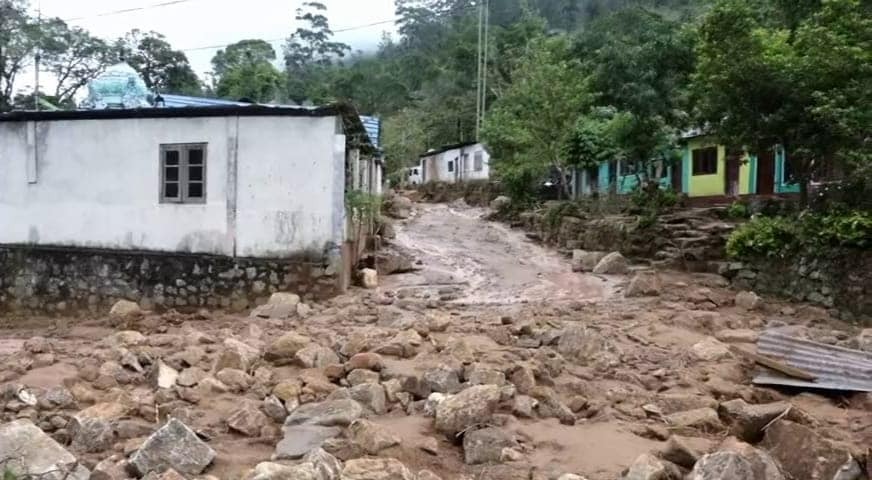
413	175
456	163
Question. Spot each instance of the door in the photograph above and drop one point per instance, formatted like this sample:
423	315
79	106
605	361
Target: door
766	173
676	177
731	188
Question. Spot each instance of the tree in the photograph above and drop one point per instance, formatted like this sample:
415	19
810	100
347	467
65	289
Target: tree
241	53
528	127
19	37
258	82
309	49
74	57
163	69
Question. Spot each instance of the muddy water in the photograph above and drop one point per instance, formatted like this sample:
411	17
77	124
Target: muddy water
484	262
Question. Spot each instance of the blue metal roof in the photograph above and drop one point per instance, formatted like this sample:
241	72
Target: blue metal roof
371	124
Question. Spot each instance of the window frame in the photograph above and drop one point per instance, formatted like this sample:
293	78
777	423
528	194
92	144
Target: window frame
478	161
184	165
698	163
451	166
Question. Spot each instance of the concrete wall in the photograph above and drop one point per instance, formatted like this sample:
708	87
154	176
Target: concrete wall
270	185
467	166
436	166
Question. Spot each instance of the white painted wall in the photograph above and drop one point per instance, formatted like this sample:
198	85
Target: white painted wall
468	171
464	167
97	185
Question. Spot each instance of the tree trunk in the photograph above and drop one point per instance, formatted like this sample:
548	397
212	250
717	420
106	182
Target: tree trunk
803	192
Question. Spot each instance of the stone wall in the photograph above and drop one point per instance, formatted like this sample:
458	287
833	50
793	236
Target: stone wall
72	280
477	193
843	280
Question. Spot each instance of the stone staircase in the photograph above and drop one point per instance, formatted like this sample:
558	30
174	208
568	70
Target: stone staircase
693	239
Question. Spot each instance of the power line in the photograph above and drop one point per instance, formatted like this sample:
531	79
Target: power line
129	10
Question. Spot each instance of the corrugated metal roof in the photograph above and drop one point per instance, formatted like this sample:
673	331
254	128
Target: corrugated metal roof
834	368
373	129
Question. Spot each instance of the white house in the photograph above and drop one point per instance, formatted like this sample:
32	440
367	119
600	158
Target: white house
413	175
456	163
253	189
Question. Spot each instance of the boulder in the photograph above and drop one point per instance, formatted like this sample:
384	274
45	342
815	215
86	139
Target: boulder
550	405
472	406
371	437
315	356
92	429
376	469
682	451
524	406
163	375
580	343
360	376
748	300
643	284
486	445
125	308
112	468
284	349
236	355
500	203
288	390
738	335
747	421
247	420
442	379
710	350
389	263
235	380
585	261
36	345
612	264
365	361
480	375
723	465
649	467
277	471
427	475
404	344
399	207
301	439
190	377
762	464
30	453
274	408
128	338
705	419
327	413
803	453
371	396
523	379
280	305
327	467
369	278
173	446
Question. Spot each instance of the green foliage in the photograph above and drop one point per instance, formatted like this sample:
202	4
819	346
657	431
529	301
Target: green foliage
309	50
809	234
256	80
9	474
364	207
738	210
163	69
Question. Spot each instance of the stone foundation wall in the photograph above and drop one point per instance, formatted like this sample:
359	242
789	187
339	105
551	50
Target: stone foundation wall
842	281
71	280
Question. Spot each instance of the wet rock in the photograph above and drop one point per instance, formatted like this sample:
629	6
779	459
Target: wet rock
643	284
585	261
705	419
649	467
247	420
404	345
125	308
280	305
371	396
236	355
163	375
190	377
442	380
371	437
376	469
472	406
315	356
365	361
748	420
803	453
235	380
579	343
524	406
523	379
327	413
274	408
368	278
612	264
128	338
301	439
486	445
284	349
722	465
30	453
399	207
748	301
710	350
173	446
92	429
34	345
277	471
360	376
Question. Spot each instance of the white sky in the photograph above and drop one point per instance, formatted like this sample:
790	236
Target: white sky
193	24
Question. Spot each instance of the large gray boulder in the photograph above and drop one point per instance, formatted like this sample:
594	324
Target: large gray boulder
472	406
173	446
327	467
643	284
723	465
301	439
92	429
612	264
281	305
803	453
585	261
284	349
399	207
30	453
486	445
371	437
236	355
328	413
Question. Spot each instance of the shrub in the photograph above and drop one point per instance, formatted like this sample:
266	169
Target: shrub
738	210
762	236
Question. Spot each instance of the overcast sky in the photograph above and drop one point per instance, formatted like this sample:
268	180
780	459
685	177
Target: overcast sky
191	25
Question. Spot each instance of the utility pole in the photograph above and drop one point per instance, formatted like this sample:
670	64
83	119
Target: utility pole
37	56
478	71
484	62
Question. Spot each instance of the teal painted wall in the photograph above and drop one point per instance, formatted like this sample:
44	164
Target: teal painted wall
752	185
781	183
685	170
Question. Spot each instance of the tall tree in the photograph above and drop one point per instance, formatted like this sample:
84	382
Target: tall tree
74	56
19	37
309	49
241	53
162	68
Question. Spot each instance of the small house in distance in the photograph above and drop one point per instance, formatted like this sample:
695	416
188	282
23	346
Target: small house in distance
456	163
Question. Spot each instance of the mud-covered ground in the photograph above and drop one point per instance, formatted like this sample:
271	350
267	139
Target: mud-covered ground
587	379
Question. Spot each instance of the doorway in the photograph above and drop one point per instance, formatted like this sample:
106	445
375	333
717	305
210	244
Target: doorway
731	187
766	173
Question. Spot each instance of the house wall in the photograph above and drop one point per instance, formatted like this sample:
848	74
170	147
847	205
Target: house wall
782	184
270	189
468	171
704	185
436	167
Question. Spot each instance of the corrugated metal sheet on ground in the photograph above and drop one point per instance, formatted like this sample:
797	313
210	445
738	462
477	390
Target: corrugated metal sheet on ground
835	368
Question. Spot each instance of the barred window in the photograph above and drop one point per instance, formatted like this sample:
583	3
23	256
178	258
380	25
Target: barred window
183	173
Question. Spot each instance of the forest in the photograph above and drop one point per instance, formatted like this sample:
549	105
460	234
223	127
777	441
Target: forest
569	82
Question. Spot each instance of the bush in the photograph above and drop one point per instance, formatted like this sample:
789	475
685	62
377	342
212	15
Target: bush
738	210
808	234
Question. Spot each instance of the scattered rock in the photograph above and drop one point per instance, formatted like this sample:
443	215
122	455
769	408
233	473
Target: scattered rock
442	380
328	413
280	305
173	446
523	379
723	465
30	453
285	348
740	335
301	439
430	445
163	375
128	338
479	375
235	380
500	203
612	264
748	420
643	284
274	408
585	261
360	376
369	278
681	451
371	437
579	343
366	361
486	445
236	355
370	395
705	419
710	350
404	344
376	469
288	390
190	377
399	207
803	453
649	467
427	475
524	406
247	420
277	471
315	356
92	429
35	345
748	300
112	468
327	467
763	465
475	405
551	406
124	308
